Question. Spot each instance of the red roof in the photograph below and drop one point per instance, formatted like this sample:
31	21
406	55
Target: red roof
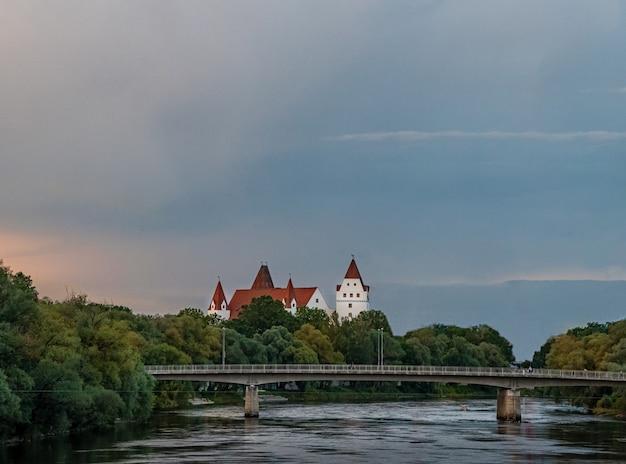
290	293
219	296
244	297
263	286
263	279
353	273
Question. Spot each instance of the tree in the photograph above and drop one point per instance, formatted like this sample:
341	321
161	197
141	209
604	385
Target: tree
483	333
9	407
567	353
462	353
262	314
615	359
320	343
51	336
492	355
318	318
539	357
284	348
373	319
416	353
192	335
18	298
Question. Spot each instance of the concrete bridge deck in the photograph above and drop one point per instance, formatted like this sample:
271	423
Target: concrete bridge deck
260	374
508	380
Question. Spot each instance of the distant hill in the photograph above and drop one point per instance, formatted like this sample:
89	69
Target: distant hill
524	312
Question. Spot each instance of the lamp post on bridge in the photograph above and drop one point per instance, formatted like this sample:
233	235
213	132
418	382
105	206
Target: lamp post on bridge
223	346
381	347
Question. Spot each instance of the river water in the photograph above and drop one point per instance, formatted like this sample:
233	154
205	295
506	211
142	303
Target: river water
400	432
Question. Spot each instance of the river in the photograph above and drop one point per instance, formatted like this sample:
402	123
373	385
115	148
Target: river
390	432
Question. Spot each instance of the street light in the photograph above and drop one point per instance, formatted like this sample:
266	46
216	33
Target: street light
223	346
380	347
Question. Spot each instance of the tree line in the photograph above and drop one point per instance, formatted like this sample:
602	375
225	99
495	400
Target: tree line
75	364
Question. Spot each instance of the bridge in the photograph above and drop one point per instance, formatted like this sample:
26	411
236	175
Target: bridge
508	380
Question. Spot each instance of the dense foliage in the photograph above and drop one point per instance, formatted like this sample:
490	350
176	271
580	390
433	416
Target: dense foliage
598	346
75	364
66	366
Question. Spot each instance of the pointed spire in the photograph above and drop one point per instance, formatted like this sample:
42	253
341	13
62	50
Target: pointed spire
290	293
353	271
263	279
218	298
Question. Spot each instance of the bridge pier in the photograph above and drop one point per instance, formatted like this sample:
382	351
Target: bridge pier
509	407
251	405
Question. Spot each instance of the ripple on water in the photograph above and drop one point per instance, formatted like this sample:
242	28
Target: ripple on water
408	432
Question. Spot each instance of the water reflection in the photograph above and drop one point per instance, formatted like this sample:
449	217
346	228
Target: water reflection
424	431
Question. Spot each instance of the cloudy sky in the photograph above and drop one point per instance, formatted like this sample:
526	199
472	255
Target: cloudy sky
148	147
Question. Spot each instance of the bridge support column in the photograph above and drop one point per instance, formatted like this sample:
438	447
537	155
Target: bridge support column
509	407
251	405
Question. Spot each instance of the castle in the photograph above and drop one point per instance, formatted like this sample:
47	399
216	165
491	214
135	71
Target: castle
352	296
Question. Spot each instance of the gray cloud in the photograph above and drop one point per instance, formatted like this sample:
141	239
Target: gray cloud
494	135
170	143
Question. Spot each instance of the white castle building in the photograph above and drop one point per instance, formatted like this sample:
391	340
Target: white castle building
352	296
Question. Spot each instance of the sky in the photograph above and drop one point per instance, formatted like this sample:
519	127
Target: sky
148	147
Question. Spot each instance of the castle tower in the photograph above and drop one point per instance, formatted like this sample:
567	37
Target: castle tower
219	305
263	280
352	295
290	298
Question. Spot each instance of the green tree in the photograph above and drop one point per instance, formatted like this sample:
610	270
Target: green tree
9	408
320	343
416	353
318	318
18	298
463	353
615	359
163	354
539	357
260	315
484	334
284	348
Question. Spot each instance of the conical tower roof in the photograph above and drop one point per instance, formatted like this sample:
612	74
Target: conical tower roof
218	297
353	271
263	280
290	292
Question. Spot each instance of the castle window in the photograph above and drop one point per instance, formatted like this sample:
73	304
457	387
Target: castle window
351	295
317	300
358	295
349	305
344	295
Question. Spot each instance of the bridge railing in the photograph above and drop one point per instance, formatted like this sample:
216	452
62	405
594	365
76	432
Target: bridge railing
362	369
